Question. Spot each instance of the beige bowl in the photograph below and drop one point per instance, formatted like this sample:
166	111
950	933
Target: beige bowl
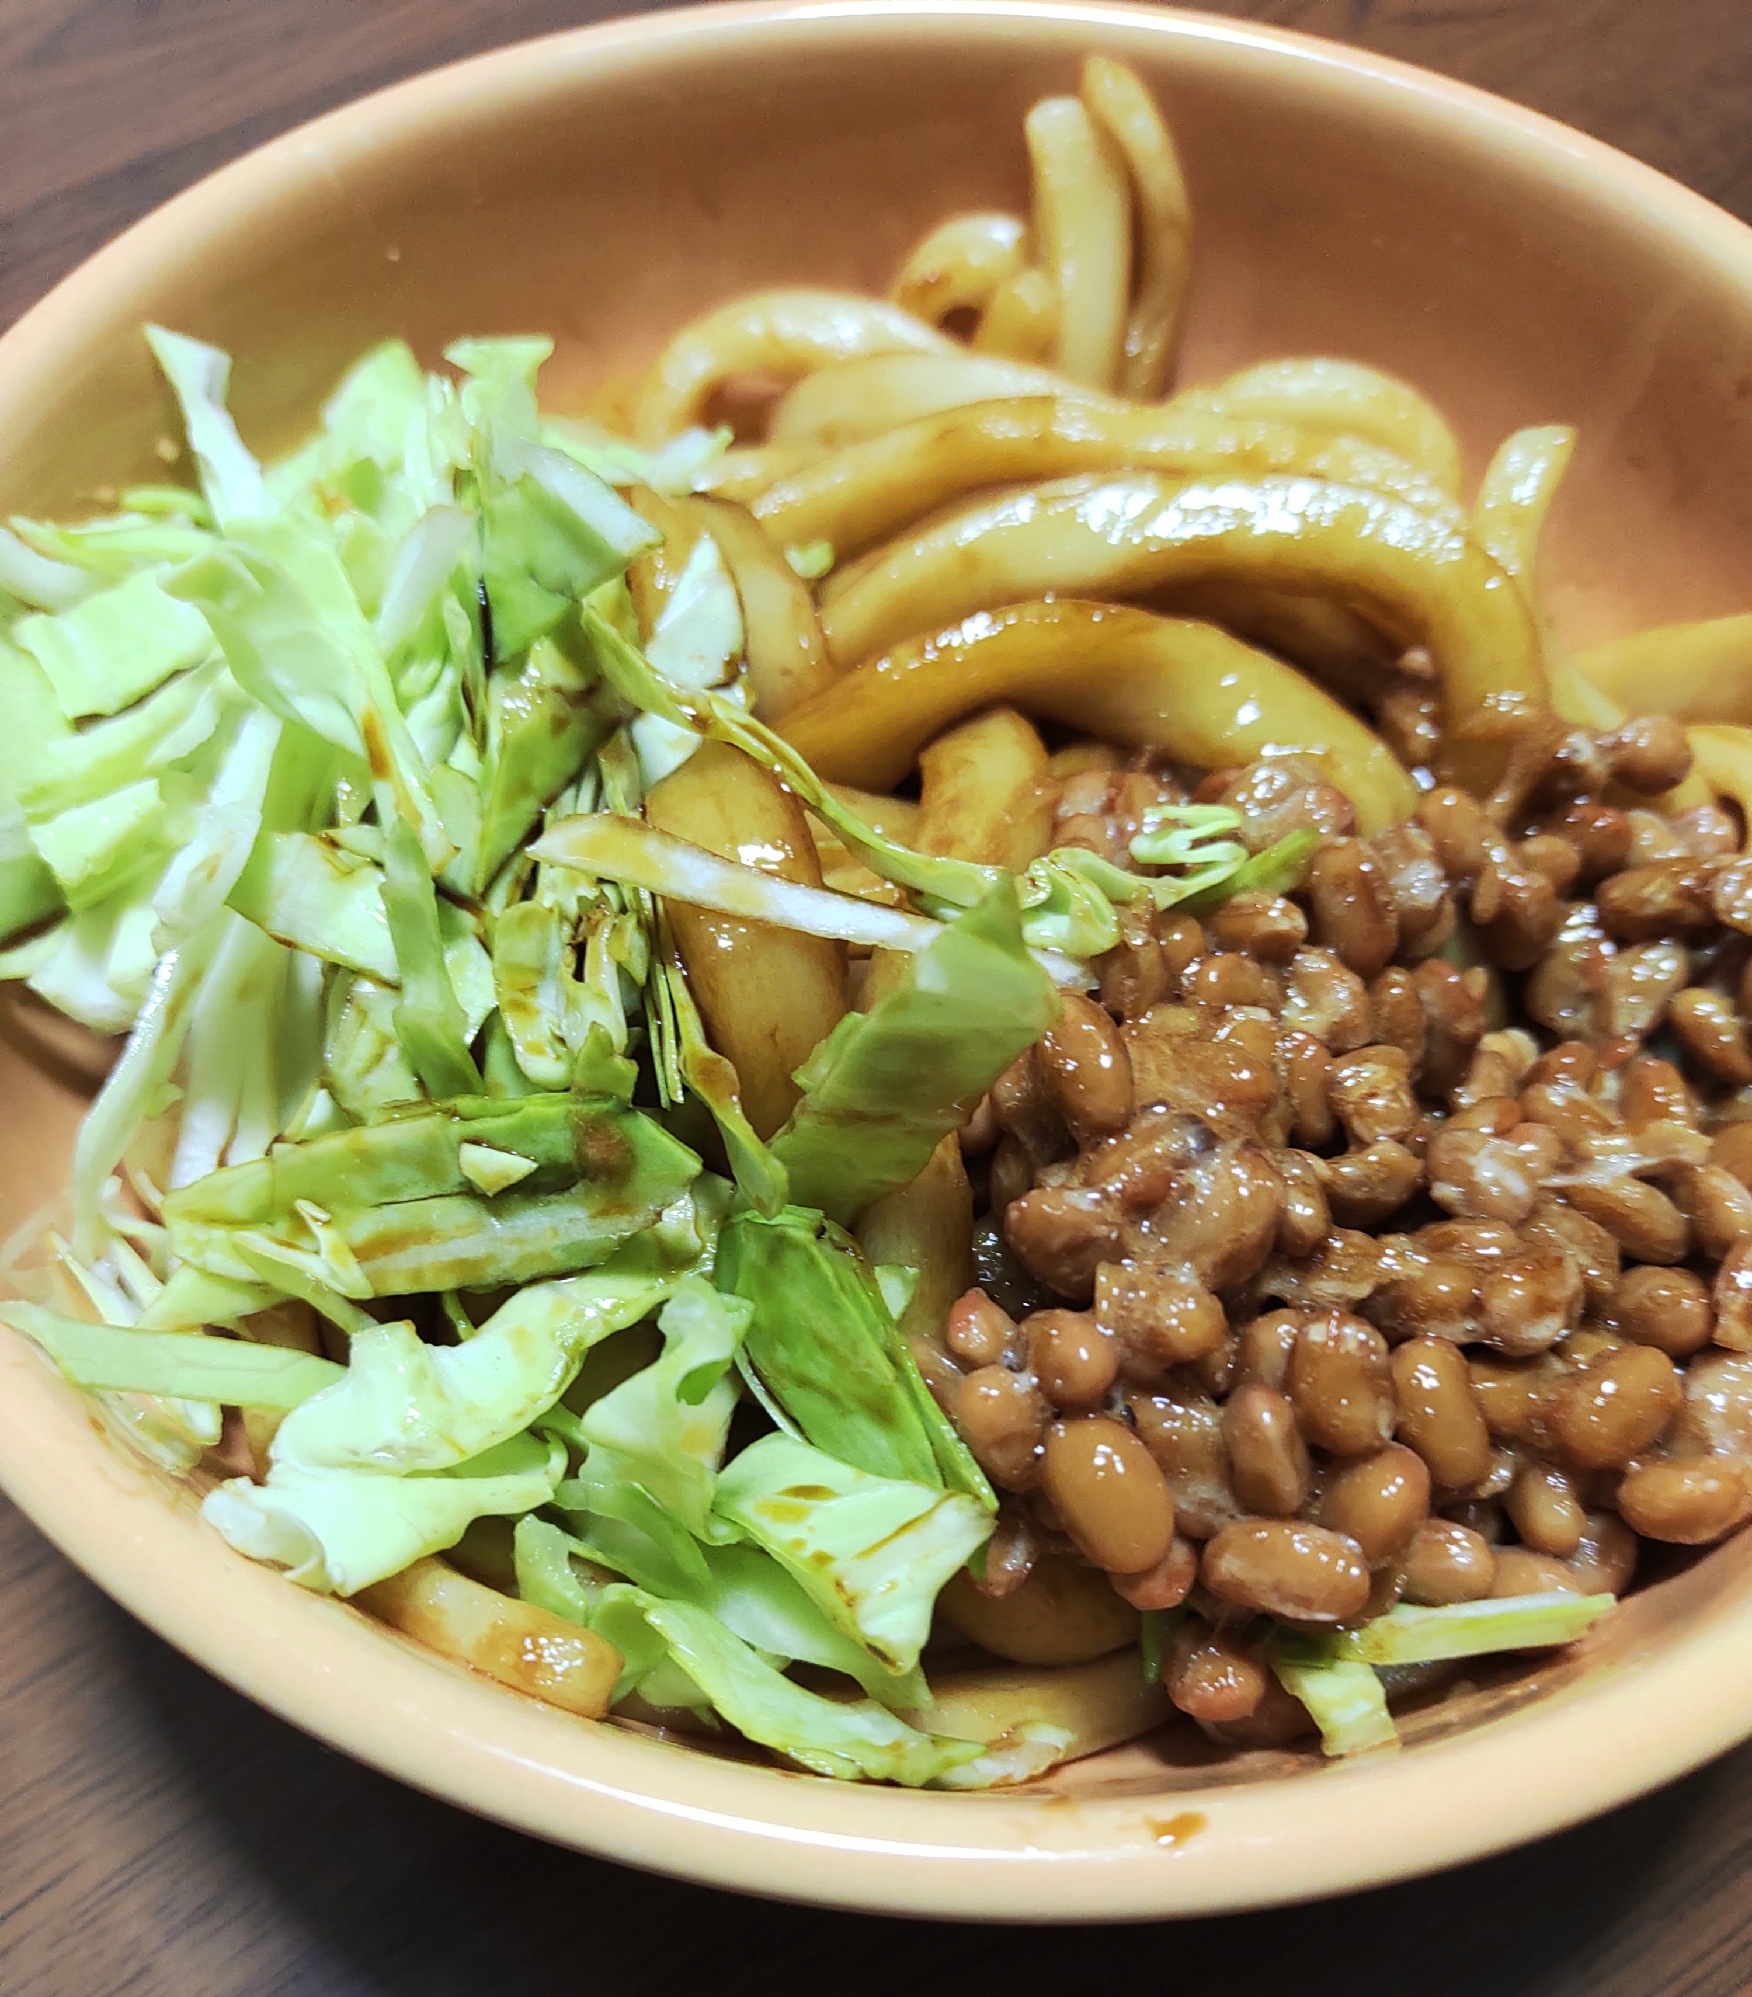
603	185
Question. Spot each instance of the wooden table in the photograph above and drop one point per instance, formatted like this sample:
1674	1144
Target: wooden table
160	1835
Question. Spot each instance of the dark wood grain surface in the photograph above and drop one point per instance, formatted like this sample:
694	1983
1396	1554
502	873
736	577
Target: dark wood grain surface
159	1837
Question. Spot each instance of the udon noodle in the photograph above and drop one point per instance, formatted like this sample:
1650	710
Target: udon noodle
1050	587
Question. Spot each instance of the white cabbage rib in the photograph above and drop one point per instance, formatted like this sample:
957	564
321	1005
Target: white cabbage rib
625	849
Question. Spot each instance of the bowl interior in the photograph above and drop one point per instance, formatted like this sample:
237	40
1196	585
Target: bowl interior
602	187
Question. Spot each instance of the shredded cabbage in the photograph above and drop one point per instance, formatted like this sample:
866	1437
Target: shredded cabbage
322	792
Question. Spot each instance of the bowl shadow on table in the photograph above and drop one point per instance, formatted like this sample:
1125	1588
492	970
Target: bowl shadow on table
401	1895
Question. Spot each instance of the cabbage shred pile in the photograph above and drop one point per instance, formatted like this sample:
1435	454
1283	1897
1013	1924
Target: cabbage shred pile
282	757
322	785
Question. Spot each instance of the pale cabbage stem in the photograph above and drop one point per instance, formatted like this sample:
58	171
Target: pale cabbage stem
1082	231
957	266
862	491
783	333
625	849
1124	109
1425	581
1107	670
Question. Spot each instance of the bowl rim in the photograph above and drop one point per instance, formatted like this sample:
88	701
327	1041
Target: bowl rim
1012	1857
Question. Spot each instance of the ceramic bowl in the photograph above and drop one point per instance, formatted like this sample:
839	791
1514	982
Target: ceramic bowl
603	185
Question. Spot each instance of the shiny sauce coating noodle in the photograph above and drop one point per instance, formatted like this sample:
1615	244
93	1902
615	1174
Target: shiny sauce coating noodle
1057	590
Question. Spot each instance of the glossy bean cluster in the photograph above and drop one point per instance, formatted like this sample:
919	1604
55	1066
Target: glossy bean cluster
1387	1241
